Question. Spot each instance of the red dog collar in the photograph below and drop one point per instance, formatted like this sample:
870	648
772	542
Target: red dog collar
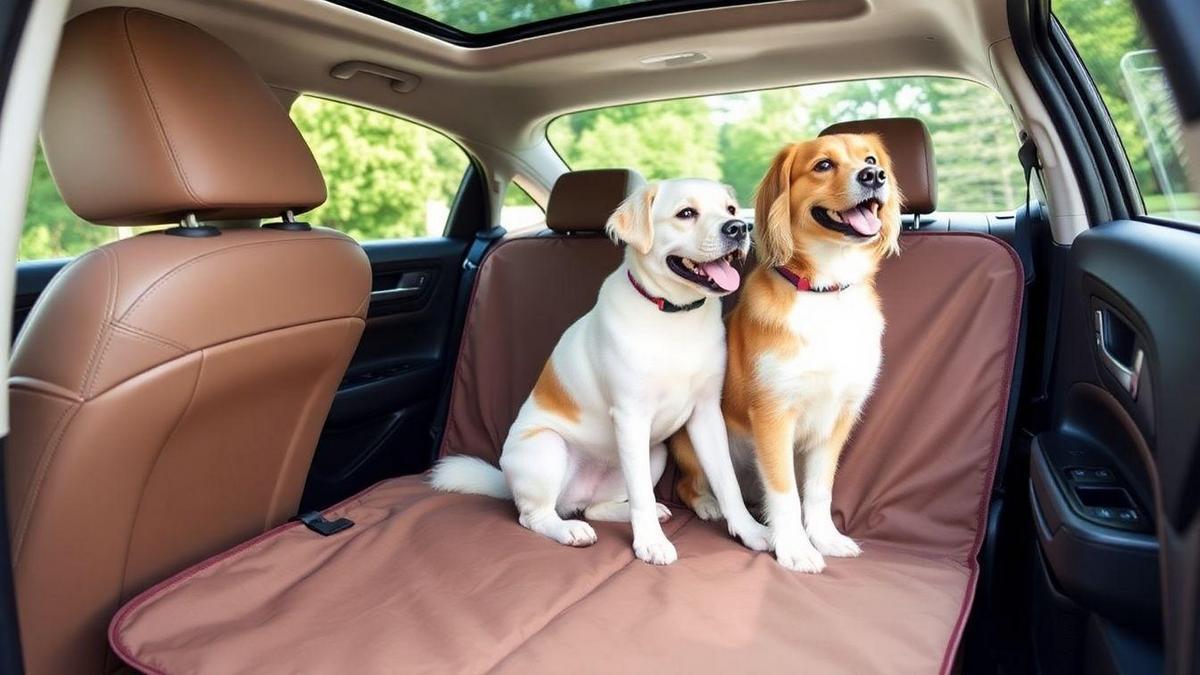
663	304
803	284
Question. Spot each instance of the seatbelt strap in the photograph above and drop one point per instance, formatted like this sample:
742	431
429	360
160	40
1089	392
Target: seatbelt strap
474	258
1027	154
483	241
1028	157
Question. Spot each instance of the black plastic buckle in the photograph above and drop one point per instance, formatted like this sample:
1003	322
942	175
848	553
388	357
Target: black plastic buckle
316	522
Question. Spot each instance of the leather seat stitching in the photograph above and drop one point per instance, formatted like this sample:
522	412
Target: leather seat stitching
166	277
164	137
39	476
267	331
109	308
134	331
146	479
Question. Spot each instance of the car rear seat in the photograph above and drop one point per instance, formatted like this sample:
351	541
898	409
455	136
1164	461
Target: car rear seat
425	581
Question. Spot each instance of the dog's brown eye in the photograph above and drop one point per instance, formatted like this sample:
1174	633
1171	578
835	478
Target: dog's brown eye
823	165
871	160
732	210
686	214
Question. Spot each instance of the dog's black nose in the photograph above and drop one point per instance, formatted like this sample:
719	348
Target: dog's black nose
735	229
872	177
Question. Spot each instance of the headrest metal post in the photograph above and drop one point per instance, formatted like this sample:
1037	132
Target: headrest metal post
189	226
288	223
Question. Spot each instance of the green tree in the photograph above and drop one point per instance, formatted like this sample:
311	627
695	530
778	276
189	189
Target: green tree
973	136
747	146
383	173
667	139
1117	53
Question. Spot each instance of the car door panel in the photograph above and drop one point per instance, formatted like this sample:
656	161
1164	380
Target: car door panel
379	422
1113	480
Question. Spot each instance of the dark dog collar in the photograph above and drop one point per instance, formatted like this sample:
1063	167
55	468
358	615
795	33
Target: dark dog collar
663	304
803	284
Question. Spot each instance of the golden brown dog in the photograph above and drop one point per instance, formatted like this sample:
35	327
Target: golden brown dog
805	339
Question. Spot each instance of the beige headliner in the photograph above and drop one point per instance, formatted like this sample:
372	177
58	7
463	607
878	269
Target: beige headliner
497	101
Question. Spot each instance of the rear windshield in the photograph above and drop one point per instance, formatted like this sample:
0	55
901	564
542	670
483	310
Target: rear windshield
732	137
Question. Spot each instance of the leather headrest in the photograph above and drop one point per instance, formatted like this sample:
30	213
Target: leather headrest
908	142
582	201
149	119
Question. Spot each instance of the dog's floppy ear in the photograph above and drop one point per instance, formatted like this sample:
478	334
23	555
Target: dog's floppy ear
773	210
631	222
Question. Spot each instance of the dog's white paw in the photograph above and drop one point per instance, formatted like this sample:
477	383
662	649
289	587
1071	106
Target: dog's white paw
655	550
797	554
664	514
834	544
753	535
575	533
707	508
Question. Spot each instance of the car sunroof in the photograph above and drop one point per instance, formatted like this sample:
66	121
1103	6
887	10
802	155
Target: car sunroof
483	23
488	16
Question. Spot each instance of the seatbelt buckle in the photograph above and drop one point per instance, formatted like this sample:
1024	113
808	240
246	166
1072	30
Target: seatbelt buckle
316	522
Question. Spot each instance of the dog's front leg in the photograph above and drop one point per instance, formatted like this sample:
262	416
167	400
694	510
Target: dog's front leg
632	426
820	465
706	428
774	442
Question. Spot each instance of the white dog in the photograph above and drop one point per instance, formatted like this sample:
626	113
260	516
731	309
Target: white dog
647	360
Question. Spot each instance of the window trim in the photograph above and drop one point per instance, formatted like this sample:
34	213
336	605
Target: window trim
1123	184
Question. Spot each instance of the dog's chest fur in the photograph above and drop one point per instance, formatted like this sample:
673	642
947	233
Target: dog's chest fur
839	335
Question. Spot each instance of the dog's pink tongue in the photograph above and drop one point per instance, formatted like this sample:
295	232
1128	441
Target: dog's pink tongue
862	220
722	274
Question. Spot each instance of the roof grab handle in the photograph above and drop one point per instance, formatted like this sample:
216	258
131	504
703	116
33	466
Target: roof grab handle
401	81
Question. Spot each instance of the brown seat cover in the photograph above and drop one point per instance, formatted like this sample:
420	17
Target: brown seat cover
431	582
167	391
528	291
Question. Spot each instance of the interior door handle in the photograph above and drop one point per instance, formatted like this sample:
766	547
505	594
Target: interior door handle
410	285
1127	376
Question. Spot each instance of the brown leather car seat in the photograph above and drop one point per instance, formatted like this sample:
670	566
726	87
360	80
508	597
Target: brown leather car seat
167	391
528	291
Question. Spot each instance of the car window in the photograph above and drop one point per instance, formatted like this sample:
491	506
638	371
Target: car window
519	212
388	178
51	229
733	137
1114	47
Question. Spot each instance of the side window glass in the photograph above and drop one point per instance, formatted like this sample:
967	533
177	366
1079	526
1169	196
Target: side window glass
1114	47
520	214
51	229
388	178
732	137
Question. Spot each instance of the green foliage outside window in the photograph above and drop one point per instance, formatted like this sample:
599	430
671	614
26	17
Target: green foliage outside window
1117	53
51	230
387	178
733	137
